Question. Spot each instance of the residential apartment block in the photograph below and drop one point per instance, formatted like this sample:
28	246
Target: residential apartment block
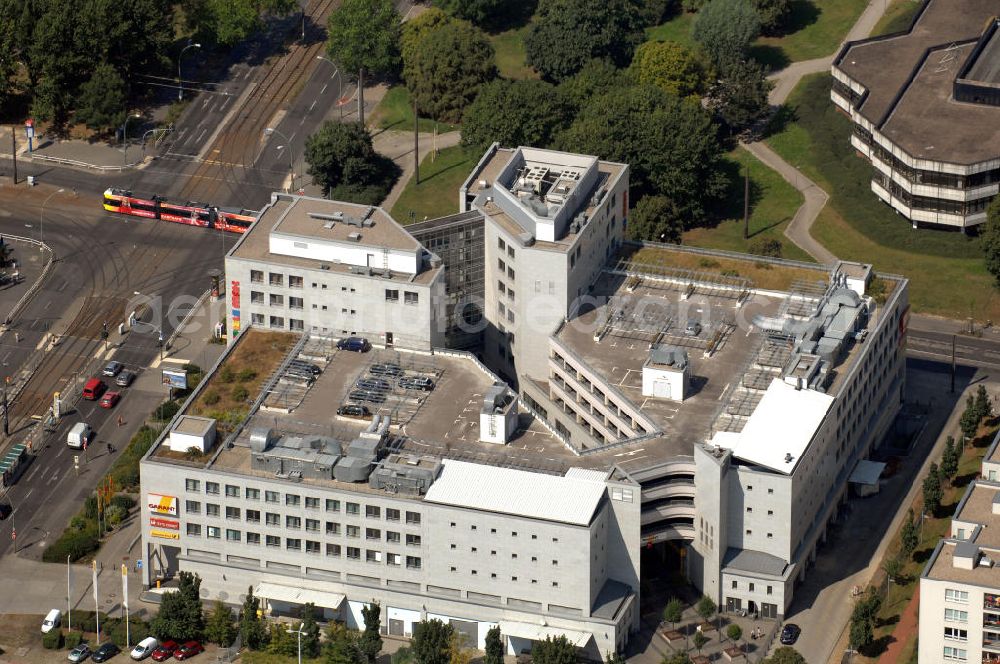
926	111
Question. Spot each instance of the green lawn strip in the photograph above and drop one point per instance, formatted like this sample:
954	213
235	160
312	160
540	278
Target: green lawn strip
897	17
855	225
677	29
437	193
931	532
395	111
511	57
262	657
773	204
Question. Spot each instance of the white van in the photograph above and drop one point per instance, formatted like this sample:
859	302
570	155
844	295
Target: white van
81	431
52	621
144	648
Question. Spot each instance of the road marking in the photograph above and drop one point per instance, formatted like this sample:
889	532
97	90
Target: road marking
203	132
47	304
26	495
324	88
246	75
33	324
54	478
6	357
33	473
312	106
302	121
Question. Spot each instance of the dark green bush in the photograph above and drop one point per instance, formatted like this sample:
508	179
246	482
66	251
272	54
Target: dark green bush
240	393
53	640
90	507
246	374
72	639
123	501
226	374
166	410
86	621
115	629
211	398
73	543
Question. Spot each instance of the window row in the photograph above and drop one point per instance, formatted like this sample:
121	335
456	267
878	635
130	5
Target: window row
751	586
275	279
409	297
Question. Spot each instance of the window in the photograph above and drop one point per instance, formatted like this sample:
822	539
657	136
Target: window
312	525
412	540
253	538
555	562
232	512
292	500
391	537
332	505
751	587
293	522
232	491
410	297
412	562
770	590
957	596
392	559
252	494
332	528
192	485
256	276
276	322
510	315
353	531
749	510
312	547
413	518
956	634
510	294
500	244
373	511
213	532
373	534
734	585
271	496
194	529
272	540
211	510
276	279
253	516
232	535
954	615
510	273
333	550
501	265
294	282
510	251
212	488
256	319
352	508
955	653
276	300
256	297
354	553
293	543
501	287
391	295
192	507
295	303
272	519
373	556
312	503
393	515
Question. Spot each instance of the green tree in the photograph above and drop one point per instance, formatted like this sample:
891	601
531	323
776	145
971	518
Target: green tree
614	658
983	405
734	632
431	642
487	14
740	97
706	608
892	567
447	69
252	626
699	641
725	29
231	21
786	655
949	459
910	535
370	642
772	14
180	616
932	490
566	34
670	144
341	646
556	650
596	78
673	611
416	30
219	628
281	641
101	104
670	66
653	11
863	616
656	218
969	421
364	35
676	658
343	161
310	631
515	113
989	239
494	647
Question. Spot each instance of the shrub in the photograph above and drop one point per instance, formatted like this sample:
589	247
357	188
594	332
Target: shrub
115	629
86	621
166	411
211	398
246	374
763	246
240	393
53	640
707	262
73	543
115	514
123	501
78	522
90	507
226	374
72	639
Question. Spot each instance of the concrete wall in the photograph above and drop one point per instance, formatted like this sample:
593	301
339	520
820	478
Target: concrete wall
348	253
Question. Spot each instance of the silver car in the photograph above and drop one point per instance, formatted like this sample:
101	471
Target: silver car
79	653
113	368
125	378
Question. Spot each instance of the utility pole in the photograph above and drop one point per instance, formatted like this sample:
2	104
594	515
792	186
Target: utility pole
6	421
746	202
13	152
361	96
952	365
416	144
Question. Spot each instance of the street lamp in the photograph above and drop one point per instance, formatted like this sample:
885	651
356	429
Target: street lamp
135	116
180	79
291	169
41	216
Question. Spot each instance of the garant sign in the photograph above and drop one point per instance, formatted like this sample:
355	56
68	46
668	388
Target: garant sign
162	504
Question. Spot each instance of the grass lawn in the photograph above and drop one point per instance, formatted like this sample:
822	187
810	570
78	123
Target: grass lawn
897	17
395	111
773	203
676	29
511	58
855	225
437	193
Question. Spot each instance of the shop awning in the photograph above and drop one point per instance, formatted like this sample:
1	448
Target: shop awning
541	632
292	595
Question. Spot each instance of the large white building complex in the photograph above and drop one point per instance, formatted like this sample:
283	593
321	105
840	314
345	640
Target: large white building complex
925	104
598	406
960	585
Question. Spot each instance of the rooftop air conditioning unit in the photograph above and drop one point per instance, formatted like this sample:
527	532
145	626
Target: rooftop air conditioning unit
484	183
354	237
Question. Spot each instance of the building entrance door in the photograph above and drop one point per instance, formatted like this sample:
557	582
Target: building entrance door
733	604
388	338
769	610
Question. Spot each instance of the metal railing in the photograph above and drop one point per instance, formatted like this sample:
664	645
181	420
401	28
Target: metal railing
16	309
62	161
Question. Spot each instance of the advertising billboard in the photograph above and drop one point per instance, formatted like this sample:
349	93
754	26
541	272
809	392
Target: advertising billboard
162	504
176	378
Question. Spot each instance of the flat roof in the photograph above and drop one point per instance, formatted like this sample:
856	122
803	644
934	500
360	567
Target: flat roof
942	567
193	425
297	217
977	507
884	66
571	500
986	68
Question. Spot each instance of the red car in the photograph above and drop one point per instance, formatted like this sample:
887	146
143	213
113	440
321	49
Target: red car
164	651
110	399
189	649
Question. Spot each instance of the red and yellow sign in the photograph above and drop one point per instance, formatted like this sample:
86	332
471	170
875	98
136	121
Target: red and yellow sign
164	534
164	523
162	504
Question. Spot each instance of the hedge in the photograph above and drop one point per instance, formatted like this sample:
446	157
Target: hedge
73	543
52	640
72	639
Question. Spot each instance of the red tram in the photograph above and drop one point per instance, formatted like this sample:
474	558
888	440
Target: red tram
193	214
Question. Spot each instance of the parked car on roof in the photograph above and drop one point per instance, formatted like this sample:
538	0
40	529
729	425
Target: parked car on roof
354	344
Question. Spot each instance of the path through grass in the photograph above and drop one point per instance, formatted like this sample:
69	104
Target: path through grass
437	193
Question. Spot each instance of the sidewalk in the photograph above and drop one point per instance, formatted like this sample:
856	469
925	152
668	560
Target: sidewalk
905	628
398	146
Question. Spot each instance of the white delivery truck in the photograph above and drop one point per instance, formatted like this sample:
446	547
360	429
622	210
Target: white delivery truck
80	432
